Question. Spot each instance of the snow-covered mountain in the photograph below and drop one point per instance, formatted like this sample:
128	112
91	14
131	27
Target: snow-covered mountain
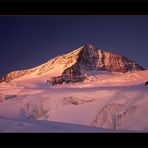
85	58
111	97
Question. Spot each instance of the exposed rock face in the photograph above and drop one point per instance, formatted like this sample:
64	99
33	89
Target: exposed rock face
86	58
71	74
116	63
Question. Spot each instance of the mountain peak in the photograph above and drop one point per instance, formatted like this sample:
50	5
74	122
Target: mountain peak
89	46
71	64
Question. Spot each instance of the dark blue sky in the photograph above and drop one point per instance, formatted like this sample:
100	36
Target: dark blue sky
28	41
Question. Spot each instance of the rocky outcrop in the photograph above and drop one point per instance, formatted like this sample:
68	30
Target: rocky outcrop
116	63
71	74
146	83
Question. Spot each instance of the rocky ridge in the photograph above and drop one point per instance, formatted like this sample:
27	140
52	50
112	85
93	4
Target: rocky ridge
89	58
